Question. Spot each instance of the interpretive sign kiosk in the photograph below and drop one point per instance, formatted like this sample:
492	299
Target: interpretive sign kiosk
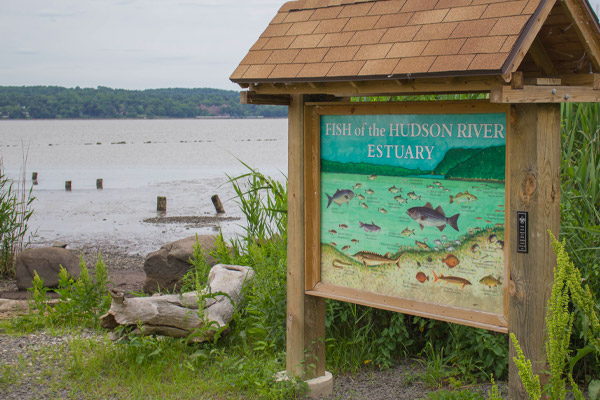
431	208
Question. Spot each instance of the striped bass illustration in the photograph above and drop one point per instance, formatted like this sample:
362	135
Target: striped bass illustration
370	259
427	216
451	279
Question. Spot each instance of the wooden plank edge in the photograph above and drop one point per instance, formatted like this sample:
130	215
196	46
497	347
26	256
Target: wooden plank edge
251	97
479	319
544	94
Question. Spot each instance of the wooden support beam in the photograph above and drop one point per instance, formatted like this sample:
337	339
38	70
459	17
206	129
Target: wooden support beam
543	81
541	59
531	36
517	80
592	80
544	94
586	29
387	87
250	97
533	171
305	325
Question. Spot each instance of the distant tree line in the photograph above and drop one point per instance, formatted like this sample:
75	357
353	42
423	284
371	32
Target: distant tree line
22	102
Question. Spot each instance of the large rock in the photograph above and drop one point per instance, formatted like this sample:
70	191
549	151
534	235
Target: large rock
164	268
46	261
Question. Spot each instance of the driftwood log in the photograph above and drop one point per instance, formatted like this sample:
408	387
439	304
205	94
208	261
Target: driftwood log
179	315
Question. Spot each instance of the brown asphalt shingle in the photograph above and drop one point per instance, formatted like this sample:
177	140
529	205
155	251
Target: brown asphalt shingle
333	39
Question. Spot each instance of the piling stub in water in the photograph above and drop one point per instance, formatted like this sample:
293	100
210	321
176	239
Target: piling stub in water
99	183
161	204
217	203
34	176
68	186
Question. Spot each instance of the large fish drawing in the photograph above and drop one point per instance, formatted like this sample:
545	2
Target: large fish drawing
427	216
340	197
370	259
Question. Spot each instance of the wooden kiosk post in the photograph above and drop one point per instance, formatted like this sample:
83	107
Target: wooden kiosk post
320	57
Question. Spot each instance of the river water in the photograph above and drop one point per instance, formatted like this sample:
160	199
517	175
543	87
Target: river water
186	161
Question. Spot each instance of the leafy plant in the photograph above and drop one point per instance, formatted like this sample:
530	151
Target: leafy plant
15	212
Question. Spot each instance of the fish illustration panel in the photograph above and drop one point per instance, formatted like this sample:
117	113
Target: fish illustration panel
412	206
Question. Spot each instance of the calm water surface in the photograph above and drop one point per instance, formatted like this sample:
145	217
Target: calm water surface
185	160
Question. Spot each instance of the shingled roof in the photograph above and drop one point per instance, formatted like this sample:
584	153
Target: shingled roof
334	40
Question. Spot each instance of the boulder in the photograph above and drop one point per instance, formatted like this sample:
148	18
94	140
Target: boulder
165	267
46	261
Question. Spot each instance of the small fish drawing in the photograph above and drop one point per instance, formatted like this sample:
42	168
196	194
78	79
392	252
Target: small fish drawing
354	241
369	191
438	242
372	177
475	248
499	225
421	277
450	248
488	221
446	190
345	248
427	216
500	244
492	238
457	242
430	187
382	210
438	184
369	227
490	281
418	264
357	186
343	226
451	261
413	196
499	211
370	259
465	197
478	218
334	244
400	199
407	232
360	196
333	231
422	245
451	279
500	205
363	205
340	197
395	189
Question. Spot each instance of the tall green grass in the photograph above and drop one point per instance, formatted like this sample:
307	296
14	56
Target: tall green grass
15	212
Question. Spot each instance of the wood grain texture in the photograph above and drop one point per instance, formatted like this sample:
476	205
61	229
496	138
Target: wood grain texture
535	188
305	323
544	94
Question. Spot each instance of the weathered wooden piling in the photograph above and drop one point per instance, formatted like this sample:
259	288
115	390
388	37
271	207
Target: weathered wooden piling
161	204
68	186
99	183
217	203
34	176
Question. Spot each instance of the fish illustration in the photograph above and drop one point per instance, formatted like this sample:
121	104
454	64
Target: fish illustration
430	187
370	259
343	226
418	264
478	218
360	196
437	183
369	227
500	244
357	186
451	261
475	248
499	225
438	242
345	248
339	264
421	277
492	238
413	196
334	244
450	248
382	210
363	205
400	199
465	197
499	211
354	240
446	189
372	177
427	216
451	279
407	232
332	231
490	281
369	191
422	245
488	221
340	197
457	242
395	189
429	259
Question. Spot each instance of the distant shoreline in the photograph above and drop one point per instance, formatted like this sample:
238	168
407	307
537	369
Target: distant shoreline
137	119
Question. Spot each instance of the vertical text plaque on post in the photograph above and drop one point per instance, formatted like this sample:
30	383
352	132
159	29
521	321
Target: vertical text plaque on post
406	208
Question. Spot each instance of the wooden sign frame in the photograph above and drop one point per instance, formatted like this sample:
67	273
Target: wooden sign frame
312	200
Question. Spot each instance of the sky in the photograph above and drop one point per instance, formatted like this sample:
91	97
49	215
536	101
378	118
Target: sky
130	44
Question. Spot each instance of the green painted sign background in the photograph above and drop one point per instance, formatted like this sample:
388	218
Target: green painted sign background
412	206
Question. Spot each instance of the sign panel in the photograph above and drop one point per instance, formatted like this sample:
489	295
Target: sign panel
412	208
